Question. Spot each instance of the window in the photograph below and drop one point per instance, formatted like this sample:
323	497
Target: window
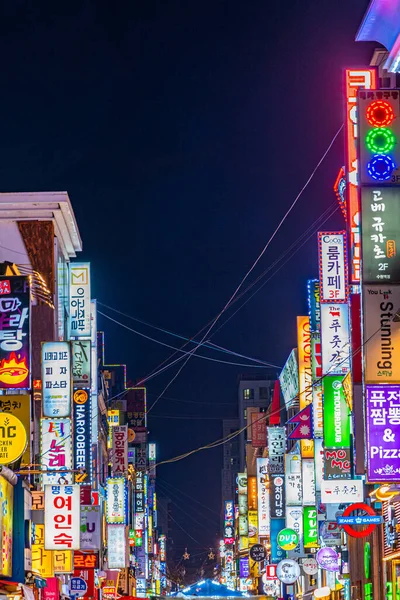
248	394
264	393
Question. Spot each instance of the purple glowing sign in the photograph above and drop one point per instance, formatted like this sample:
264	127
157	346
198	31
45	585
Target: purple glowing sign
383	432
328	559
244	567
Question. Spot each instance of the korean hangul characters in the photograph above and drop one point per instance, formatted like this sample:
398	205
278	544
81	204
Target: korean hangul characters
377	398
37	501
56	455
63	539
12	325
378	416
334	281
333	259
5	287
378	252
78	312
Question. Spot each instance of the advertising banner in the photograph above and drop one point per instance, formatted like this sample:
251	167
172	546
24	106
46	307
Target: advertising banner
383	432
42	560
381	333
252	492
20	407
258	430
314	306
276	439
342	492
119	452
277	496
56	450
294	520
354	80
310	524
308	474
61	509
6	521
335	339
263	492
56	379
90	528
336	414
293	484
116	500
277	554
380	235
333	276
81	355
337	463
14	332
289	380
13	438
79	300
316	368
82	436
304	355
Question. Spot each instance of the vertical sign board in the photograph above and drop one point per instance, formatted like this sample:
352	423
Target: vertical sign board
294	520
82	437
6	522
258	429
304	354
276	439
354	80
335	339
308	476
119	451
333	266
289	380
42	560
56	379
264	526
277	496
116	536
62	517
319	464
14	332
314	304
277	554
81	358
381	235
383	433
56	450
316	369
79	300
90	528
336	430
117	498
381	334
310	526
293	481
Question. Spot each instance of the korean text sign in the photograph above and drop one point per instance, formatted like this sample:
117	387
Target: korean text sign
81	356
116	535
79	300
293	480
304	355
116	500
383	432
289	380
56	379
383	334
276	448
62	517
264	526
14	332
335	339
381	235
119	452
332	266
56	450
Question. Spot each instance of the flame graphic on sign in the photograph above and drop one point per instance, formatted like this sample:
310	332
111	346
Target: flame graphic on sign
12	370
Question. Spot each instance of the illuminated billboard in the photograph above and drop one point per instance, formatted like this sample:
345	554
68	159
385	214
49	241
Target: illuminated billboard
14	332
332	266
335	339
304	356
56	450
79	300
62	517
56	379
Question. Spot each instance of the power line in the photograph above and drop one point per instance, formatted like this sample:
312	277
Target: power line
225	362
166	484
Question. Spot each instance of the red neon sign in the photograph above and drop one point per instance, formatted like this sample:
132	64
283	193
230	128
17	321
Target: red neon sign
355	79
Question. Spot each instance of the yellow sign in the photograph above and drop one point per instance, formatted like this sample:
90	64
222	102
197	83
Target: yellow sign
63	561
20	407
307	448
131	436
347	386
6	522
80	396
304	354
42	560
13	438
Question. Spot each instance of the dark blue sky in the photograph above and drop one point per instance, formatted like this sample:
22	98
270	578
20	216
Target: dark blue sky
182	131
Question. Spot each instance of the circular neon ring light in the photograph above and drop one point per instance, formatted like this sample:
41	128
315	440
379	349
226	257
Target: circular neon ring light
380	140
381	167
380	114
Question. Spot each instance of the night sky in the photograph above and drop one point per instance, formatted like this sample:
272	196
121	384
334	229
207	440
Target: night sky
182	132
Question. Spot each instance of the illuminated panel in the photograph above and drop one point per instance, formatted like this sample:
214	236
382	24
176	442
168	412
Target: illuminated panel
379	137
354	80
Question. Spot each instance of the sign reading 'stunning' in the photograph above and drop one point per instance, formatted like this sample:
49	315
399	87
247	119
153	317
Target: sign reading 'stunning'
82	437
